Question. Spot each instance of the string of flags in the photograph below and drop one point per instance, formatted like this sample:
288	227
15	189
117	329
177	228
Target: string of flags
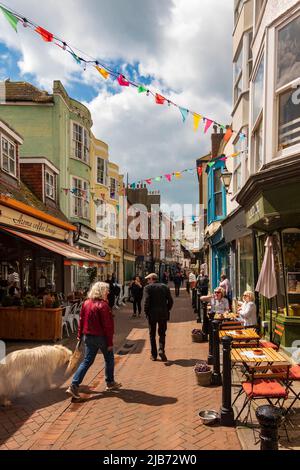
106	72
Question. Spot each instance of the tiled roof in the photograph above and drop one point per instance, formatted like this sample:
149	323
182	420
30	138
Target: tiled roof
23	91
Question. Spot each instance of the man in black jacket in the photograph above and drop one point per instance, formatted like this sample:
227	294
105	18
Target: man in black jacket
157	306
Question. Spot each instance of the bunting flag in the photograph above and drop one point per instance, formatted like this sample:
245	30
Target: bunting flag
168	177
102	71
211	164
200	170
177	174
46	36
12	19
149	181
208	123
228	134
184	113
235	154
223	159
197	118
158	178
159	99
122	80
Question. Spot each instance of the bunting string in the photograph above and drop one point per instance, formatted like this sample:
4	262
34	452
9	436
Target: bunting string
106	72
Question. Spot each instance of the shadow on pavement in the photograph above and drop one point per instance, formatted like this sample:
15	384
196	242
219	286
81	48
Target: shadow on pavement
182	362
135	396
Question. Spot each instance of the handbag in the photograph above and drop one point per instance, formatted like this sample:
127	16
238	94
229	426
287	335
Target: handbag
131	299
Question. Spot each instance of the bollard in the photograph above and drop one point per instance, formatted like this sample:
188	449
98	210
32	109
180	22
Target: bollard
198	308
269	418
226	412
216	375
210	358
204	320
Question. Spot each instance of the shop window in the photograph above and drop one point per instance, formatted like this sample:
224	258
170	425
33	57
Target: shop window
50	186
291	248
8	156
80	198
245	278
81	144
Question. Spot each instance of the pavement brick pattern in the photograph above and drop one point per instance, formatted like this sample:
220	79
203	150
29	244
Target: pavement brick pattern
157	407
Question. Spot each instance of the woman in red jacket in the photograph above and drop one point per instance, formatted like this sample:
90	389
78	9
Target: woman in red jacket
96	325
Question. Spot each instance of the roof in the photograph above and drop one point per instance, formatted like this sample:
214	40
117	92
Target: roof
23	91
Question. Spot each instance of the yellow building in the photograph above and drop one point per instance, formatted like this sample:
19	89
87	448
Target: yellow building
107	184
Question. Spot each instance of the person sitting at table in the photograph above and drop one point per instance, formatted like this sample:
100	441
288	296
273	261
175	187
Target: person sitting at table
217	300
247	309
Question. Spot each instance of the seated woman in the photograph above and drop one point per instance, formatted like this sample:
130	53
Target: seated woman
247	309
219	304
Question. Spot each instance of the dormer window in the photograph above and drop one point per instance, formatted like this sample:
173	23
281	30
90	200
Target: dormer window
8	156
50	186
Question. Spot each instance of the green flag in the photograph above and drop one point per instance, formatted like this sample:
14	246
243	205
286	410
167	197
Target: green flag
211	164
12	19
141	89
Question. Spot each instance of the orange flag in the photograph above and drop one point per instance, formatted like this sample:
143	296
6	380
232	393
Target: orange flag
228	134
103	72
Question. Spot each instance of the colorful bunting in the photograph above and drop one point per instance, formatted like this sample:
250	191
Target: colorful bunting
149	181
46	36
242	137
177	174
197	118
75	57
228	134
200	170
184	113
102	71
168	177
159	99
12	19
211	164
122	81
158	178
208	123
141	89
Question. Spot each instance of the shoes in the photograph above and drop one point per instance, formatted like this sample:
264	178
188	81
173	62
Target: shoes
133	316
162	356
113	386
73	391
153	358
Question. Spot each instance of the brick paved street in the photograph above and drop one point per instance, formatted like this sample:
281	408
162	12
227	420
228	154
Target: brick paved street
157	408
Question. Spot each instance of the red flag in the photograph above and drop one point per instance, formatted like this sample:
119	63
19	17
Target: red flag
149	181
46	36
122	81
228	134
200	170
159	99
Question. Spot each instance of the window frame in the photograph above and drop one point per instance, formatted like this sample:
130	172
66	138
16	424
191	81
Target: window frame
212	217
104	182
238	79
83	144
84	202
52	175
259	122
12	144
115	197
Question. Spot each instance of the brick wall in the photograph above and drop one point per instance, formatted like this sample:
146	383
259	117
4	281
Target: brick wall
32	176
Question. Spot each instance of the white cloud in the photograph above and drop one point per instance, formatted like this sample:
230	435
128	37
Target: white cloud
184	44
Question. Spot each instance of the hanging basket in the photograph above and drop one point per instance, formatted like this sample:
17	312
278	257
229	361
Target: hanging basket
204	378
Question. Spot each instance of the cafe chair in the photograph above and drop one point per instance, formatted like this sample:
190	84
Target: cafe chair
294	376
69	315
76	313
231	325
266	382
65	323
277	337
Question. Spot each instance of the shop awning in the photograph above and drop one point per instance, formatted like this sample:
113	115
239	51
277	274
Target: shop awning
71	254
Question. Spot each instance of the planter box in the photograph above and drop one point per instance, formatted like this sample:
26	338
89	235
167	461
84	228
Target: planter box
204	378
35	324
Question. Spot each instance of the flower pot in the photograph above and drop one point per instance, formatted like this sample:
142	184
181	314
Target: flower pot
204	378
197	338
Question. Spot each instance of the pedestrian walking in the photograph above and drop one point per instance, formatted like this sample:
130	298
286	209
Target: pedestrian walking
96	327
111	295
177	283
136	292
192	283
158	304
225	284
165	278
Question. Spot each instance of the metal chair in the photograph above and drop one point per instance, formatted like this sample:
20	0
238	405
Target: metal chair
65	323
277	337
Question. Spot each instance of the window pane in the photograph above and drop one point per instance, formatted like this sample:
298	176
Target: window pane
288	58
238	64
289	120
100	170
258	144
258	91
238	89
218	205
217	181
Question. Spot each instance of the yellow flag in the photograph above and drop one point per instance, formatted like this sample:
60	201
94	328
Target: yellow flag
235	154
103	72
178	174
197	119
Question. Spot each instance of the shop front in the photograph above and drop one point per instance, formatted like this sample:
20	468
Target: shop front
272	207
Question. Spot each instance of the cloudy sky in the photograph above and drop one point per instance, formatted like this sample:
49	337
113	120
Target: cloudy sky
180	48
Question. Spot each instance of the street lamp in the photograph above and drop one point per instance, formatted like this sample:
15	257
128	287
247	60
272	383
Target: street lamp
226	178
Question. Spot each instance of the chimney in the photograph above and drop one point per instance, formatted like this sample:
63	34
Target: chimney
216	139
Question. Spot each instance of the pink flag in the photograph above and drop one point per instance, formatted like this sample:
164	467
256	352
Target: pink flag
208	123
122	81
168	176
223	159
149	181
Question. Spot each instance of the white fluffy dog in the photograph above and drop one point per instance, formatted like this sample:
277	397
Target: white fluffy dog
31	371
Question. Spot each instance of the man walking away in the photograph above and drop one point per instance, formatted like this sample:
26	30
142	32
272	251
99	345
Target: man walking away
157	306
177	283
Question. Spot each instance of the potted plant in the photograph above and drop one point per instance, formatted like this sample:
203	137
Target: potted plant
203	373
197	335
29	301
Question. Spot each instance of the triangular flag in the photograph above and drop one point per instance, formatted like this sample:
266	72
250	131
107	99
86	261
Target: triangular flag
184	113
46	36
200	170
242	137
197	119
132	186
208	123
169	177
141	89
12	19
122	81
78	60
103	72
66	190
228	134
235	154
149	181
159	99
210	164
178	174
223	159
158	178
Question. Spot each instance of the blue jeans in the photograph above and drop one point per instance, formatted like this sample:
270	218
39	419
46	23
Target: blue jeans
92	346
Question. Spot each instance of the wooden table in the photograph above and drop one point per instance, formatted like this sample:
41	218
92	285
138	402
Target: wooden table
241	336
269	355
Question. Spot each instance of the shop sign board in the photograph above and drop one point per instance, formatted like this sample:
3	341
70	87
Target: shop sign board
17	220
255	213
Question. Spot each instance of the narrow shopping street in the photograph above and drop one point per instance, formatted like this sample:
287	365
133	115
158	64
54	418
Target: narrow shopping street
157	408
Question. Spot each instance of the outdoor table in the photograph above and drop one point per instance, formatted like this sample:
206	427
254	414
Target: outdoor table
247	356
241	336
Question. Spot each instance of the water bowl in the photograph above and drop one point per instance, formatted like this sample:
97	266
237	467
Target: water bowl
209	417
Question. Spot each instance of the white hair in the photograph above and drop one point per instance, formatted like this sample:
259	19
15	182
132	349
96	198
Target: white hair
98	290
